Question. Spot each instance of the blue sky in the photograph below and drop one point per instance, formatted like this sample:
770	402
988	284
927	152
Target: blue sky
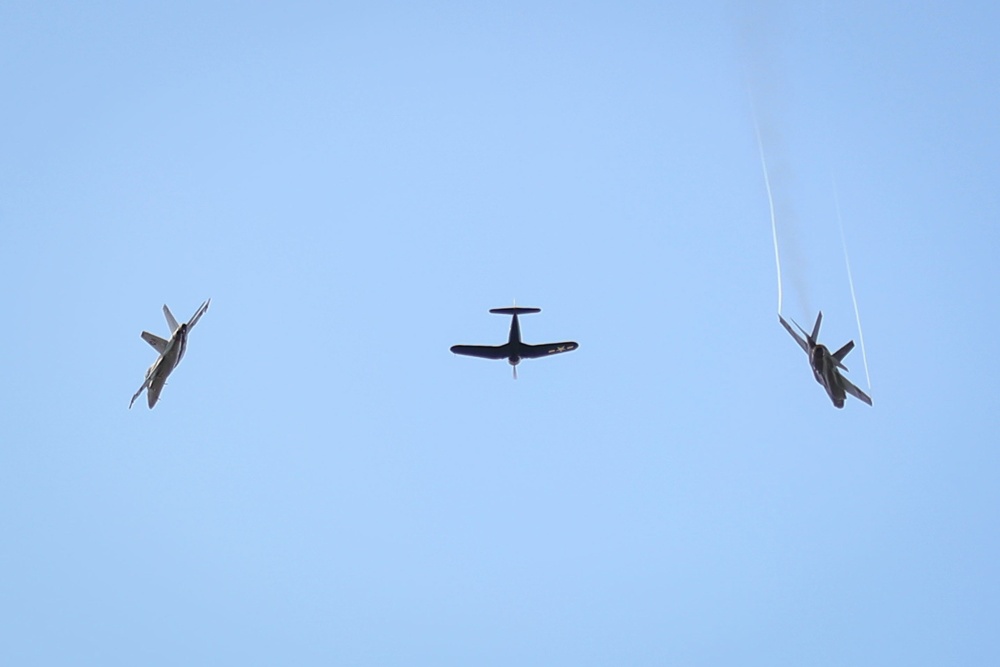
323	482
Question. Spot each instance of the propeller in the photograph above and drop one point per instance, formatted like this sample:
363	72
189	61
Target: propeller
515	371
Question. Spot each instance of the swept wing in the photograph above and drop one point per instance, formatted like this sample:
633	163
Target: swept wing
197	316
136	395
145	384
854	391
798	339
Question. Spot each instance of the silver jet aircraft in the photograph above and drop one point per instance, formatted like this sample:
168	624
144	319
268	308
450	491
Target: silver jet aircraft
514	350
825	365
171	352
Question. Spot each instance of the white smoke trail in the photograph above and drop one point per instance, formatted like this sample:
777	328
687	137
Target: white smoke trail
850	280
770	199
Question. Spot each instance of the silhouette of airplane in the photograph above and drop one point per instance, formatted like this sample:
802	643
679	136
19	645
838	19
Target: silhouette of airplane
514	350
171	352
825	365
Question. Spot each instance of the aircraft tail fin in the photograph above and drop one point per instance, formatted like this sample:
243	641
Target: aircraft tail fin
815	333
171	321
811	337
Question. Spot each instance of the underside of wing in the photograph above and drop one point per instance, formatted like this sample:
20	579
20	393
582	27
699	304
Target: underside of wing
158	343
197	316
136	394
482	351
546	349
798	339
854	391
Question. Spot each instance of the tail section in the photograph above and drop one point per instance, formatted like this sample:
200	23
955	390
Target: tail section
812	338
158	343
842	352
839	355
515	310
515	327
815	334
514	338
171	321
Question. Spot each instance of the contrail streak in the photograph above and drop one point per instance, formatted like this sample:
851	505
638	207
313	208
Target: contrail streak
770	199
850	280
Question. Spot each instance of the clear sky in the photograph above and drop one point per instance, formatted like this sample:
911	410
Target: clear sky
354	186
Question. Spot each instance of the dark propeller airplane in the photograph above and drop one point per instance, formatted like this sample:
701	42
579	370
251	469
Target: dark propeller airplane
514	350
825	365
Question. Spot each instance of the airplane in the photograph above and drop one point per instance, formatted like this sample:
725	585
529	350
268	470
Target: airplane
514	350
825	365
171	352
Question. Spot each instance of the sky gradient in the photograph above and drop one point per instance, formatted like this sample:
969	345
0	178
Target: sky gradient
323	482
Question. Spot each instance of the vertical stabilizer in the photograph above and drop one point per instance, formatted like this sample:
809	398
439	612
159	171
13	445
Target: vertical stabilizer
171	322
815	334
515	332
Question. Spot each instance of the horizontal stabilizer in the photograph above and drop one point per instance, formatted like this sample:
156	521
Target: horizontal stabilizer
842	352
158	343
515	310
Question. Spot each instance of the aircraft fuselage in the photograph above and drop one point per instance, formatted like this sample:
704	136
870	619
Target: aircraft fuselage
825	370
514	342
165	364
826	366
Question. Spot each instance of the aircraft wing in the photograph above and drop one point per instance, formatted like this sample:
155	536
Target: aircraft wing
545	349
136	395
158	343
483	351
854	391
197	316
798	339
